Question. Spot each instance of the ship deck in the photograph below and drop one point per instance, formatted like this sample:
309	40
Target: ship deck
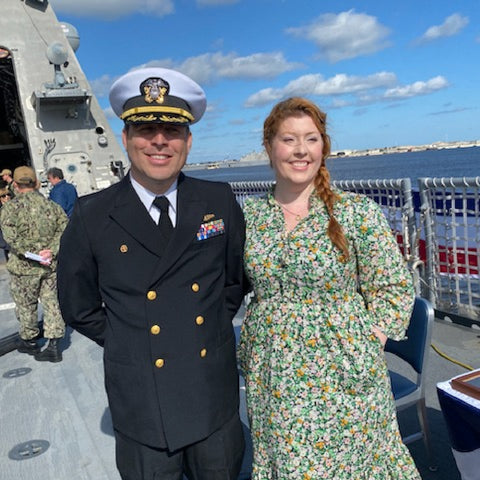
55	422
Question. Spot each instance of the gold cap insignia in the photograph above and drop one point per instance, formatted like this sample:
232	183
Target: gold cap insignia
154	89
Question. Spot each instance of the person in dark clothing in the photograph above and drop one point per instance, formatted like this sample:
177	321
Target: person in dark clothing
7	179
5	196
151	268
62	192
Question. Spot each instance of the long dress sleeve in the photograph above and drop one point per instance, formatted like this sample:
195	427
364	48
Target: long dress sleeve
383	278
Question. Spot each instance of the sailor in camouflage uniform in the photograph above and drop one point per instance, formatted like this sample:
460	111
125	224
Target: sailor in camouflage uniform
31	223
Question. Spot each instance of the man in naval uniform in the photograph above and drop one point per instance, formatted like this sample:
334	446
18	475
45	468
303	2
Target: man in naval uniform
151	268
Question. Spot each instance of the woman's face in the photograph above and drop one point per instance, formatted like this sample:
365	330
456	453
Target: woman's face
296	152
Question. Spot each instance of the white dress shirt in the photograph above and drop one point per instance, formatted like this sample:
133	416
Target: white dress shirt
147	197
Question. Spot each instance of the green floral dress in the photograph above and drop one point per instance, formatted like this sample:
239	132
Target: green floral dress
318	393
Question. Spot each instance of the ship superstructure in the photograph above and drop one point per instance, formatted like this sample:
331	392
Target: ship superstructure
49	116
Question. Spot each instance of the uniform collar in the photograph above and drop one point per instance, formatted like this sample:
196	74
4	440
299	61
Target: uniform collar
147	197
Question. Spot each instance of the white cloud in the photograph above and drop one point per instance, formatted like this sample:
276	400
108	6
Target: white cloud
451	26
315	84
346	35
417	88
209	67
101	86
109	9
257	65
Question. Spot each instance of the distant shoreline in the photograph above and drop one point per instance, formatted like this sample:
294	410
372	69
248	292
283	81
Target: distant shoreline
260	158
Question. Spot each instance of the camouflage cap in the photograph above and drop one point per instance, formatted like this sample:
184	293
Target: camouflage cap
25	176
5	171
4	191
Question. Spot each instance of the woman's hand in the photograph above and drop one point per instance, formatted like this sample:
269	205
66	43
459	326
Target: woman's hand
380	335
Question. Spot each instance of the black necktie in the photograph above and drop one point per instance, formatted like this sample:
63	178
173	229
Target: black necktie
164	224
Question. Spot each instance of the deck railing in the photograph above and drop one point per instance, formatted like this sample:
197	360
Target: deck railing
437	229
450	215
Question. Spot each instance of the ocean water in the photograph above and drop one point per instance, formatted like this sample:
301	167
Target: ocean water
455	162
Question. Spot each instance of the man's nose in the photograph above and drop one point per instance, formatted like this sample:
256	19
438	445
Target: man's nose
159	136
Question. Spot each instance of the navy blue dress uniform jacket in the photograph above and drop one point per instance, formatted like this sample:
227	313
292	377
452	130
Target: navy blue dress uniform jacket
163	313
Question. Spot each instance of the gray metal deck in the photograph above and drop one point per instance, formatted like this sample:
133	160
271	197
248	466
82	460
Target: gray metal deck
65	404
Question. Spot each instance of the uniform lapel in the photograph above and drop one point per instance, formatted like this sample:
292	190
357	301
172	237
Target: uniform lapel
130	213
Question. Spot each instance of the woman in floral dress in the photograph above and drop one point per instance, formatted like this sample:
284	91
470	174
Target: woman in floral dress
330	286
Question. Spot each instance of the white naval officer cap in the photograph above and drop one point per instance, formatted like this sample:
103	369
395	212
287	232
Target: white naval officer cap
157	95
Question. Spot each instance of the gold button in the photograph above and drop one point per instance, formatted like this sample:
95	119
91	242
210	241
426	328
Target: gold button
199	320
195	287
159	362
152	295
155	330
203	352
123	248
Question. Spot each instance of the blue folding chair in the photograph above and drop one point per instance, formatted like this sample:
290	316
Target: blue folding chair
414	350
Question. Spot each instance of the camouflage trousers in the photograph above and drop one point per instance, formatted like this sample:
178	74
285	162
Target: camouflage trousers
26	291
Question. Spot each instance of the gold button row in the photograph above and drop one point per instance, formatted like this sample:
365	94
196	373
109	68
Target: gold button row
155	329
160	362
152	294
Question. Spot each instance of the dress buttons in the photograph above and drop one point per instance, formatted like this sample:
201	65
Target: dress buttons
155	330
199	320
159	362
152	295
195	287
203	352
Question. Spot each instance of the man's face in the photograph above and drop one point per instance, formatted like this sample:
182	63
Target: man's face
5	197
157	153
53	180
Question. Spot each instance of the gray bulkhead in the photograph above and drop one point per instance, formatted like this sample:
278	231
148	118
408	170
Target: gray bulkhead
49	116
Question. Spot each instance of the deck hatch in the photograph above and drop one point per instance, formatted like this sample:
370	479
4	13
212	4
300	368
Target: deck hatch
30	449
17	372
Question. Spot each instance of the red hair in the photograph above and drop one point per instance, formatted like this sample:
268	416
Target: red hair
294	107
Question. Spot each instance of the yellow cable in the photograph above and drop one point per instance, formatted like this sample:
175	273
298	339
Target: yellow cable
468	367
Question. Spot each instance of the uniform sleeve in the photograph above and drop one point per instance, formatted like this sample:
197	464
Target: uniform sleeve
61	223
77	281
384	280
15	228
235	281
8	228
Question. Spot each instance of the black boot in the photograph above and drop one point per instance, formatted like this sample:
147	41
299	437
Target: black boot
28	346
52	353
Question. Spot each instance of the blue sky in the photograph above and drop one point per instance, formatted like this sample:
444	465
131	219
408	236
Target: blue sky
387	73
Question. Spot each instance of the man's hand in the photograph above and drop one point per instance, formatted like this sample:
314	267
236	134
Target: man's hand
47	256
